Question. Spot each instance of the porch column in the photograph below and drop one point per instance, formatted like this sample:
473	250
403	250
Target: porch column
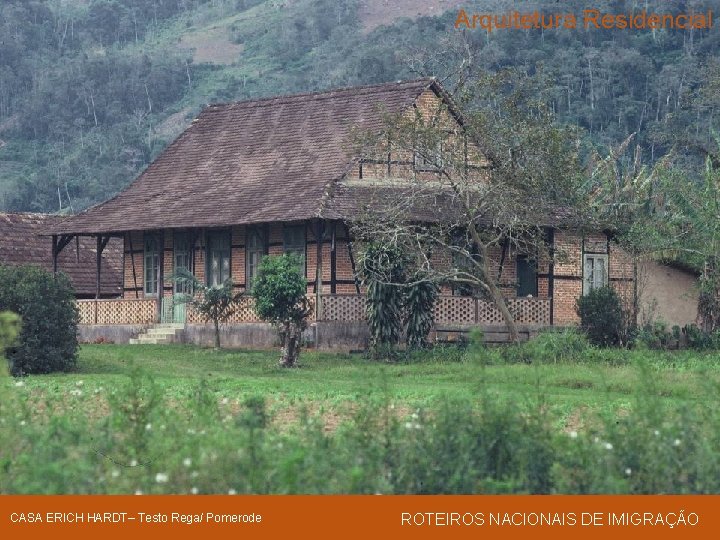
161	274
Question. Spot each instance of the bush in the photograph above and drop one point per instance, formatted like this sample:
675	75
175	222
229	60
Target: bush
601	317
46	304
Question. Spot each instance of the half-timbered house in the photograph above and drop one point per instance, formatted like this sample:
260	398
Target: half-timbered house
274	175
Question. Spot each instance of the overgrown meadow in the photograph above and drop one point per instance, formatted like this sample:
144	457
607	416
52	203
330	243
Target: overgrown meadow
551	416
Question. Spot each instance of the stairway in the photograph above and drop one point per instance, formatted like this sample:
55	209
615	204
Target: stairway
159	334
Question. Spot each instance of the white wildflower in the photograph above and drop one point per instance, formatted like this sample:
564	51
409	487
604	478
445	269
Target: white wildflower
187	462
79	383
148	427
75	392
161	478
657	433
225	401
573	434
676	442
23	422
138	492
628	471
608	446
134	463
115	473
231	491
194	491
408	425
20	383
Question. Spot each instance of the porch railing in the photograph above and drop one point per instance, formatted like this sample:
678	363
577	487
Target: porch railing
334	308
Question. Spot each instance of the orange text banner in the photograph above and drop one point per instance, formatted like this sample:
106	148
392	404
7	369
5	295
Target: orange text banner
557	517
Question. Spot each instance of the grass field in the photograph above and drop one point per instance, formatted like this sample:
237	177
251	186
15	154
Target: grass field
331	382
181	419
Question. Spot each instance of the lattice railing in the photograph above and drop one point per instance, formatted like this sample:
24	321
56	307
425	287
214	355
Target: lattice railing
343	307
448	310
117	311
335	307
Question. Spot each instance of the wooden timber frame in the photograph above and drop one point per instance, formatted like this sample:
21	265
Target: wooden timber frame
59	242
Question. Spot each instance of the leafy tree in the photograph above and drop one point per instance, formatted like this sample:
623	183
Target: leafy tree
280	298
492	183
214	303
46	304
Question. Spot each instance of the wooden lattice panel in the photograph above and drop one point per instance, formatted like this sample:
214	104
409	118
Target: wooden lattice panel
343	307
488	313
117	311
530	310
455	310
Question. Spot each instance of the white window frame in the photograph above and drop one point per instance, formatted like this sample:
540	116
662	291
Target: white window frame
591	278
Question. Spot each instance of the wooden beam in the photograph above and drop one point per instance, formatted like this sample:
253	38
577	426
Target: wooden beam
98	266
318	269
333	262
55	253
352	258
132	263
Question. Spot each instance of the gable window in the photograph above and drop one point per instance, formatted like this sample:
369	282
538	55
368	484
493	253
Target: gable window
151	258
595	272
218	257
294	241
526	276
256	248
181	259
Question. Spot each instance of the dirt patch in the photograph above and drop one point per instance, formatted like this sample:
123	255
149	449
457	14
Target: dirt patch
211	45
374	13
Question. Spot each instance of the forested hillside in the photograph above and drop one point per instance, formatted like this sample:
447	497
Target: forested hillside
92	90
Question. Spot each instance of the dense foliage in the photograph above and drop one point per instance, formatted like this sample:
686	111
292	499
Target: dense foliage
46	305
280	298
601	317
90	92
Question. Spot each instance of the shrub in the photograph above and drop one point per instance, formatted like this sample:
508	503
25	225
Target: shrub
382	271
280	298
46	304
601	317
419	312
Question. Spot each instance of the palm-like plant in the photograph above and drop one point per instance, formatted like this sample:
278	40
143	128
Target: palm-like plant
214	303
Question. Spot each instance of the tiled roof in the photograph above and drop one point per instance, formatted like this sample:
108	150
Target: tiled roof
24	240
250	162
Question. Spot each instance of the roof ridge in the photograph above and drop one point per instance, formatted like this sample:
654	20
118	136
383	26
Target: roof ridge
324	94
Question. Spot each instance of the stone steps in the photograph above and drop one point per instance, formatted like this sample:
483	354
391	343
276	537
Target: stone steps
159	334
